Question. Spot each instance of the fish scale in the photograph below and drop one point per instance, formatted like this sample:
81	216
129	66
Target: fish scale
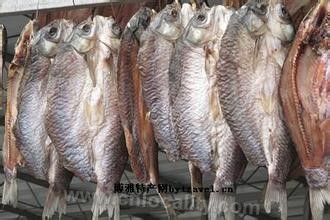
193	87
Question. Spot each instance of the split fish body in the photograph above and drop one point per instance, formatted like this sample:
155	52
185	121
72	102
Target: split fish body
191	108
306	101
39	154
137	127
109	150
135	114
157	46
68	93
205	138
29	129
252	54
11	155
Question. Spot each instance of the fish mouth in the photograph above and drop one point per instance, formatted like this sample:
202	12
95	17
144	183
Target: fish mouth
116	30
141	20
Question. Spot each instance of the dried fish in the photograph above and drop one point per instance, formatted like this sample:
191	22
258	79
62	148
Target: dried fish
11	155
252	54
157	46
204	136
305	93
109	150
29	129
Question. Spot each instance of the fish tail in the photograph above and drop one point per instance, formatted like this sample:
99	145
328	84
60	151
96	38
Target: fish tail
9	194
318	198
276	195
198	198
55	201
171	213
105	201
221	203
199	202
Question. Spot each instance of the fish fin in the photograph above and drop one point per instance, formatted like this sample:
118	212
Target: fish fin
276	195
221	203
55	201
318	198
9	195
267	103
103	201
198	198
94	108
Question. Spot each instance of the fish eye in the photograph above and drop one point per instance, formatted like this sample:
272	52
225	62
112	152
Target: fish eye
52	31
86	28
201	17
284	12
174	13
148	20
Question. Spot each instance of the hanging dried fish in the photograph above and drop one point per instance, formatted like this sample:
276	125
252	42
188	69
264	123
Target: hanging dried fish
140	140
109	150
157	46
11	155
252	54
83	117
204	136
305	92
3	44
138	131
68	90
40	158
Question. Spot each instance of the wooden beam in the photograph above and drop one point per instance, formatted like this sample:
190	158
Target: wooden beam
20	7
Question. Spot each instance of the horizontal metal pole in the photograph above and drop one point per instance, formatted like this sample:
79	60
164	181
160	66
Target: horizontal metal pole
24	6
21	212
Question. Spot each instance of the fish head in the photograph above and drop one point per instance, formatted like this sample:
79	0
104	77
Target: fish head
140	21
201	28
168	22
48	38
208	24
279	23
254	16
84	36
108	32
21	46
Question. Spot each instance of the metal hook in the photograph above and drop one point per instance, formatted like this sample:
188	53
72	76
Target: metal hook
94	12
115	15
37	11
